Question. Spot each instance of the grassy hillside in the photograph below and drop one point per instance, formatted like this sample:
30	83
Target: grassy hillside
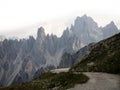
104	57
51	81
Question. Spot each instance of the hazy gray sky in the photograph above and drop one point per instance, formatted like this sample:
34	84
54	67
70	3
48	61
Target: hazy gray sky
22	17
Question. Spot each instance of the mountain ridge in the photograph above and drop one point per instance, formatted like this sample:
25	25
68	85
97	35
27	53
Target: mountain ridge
28	56
92	77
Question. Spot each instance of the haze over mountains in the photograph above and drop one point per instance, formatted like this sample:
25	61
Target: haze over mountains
27	58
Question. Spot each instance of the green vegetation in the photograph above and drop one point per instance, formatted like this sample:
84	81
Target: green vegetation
49	81
104	57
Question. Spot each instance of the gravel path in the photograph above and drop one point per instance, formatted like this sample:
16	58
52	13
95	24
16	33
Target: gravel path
100	81
60	70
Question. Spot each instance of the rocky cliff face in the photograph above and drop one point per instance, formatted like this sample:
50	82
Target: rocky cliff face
109	30
68	60
87	30
22	60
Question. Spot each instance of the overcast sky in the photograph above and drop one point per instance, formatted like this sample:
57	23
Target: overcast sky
21	18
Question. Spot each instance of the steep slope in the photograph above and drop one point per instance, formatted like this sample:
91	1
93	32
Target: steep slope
104	57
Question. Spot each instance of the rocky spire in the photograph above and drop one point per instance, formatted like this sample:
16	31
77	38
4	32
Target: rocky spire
41	33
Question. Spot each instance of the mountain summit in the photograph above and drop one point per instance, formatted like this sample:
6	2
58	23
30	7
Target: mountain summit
41	32
86	29
109	30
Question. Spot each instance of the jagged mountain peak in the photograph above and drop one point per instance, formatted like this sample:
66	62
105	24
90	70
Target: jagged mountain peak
85	15
84	18
86	29
41	32
83	23
67	32
112	23
109	30
41	28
